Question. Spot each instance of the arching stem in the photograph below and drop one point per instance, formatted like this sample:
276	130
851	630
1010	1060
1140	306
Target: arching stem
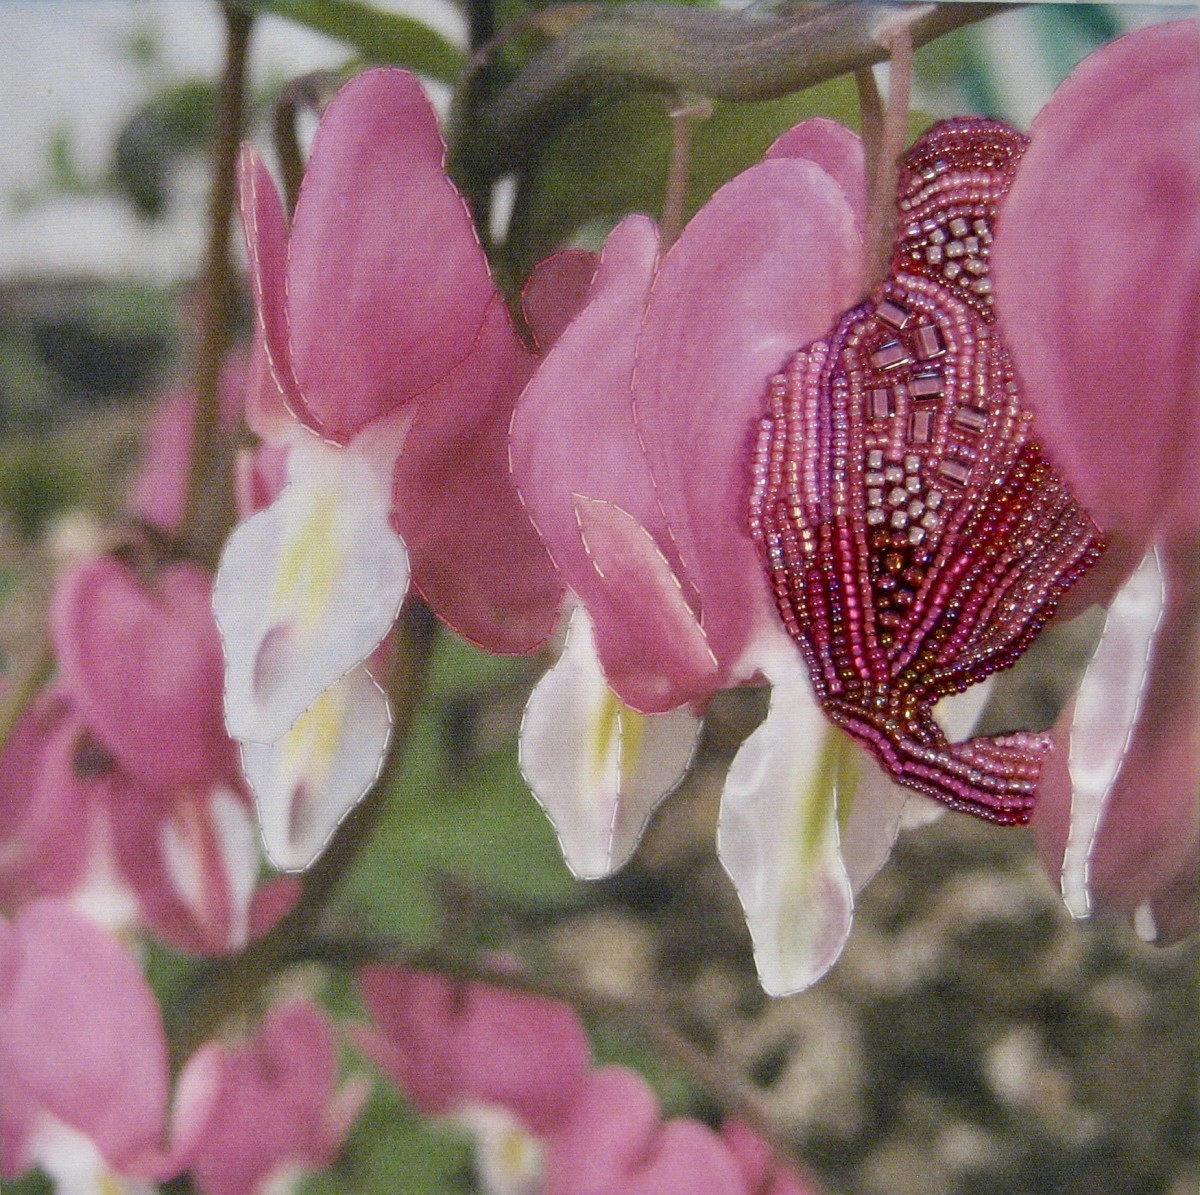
884	163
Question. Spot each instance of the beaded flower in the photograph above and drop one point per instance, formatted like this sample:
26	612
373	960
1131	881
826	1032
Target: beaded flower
916	537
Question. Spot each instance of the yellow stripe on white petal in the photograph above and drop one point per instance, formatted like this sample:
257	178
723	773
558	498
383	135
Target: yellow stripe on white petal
75	1164
1106	710
508	1157
778	835
598	767
306	589
312	777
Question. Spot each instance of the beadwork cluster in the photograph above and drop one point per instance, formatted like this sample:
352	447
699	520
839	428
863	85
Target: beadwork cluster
915	536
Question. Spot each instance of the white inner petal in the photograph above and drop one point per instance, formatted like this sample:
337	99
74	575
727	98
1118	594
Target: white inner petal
597	767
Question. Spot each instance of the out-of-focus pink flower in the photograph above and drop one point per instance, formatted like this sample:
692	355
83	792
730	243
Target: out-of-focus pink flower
131	799
615	1142
762	1173
515	1070
1097	263
44	838
83	1058
277	1109
381	332
447	1045
632	448
160	490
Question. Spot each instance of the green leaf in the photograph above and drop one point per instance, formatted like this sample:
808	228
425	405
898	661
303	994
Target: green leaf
376	34
613	160
392	1151
476	821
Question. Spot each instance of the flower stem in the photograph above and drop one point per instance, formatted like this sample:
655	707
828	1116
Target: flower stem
893	137
209	510
675	192
305	93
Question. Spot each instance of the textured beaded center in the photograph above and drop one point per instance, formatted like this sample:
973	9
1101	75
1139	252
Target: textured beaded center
915	536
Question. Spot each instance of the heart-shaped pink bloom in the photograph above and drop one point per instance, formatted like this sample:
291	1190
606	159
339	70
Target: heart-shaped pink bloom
143	664
647	406
381	287
43	826
278	1109
160	490
140	753
449	1045
1097	263
83	1054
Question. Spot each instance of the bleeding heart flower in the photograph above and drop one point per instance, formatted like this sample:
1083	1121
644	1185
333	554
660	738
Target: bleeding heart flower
632	449
1097	264
277	1110
133	785
514	1070
83	1057
160	491
385	367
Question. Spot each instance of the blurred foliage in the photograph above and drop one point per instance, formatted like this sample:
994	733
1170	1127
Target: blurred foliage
176	121
377	34
462	847
395	1152
71	347
613	159
470	821
38	482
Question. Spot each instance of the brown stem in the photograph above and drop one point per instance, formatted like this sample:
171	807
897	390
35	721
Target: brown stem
694	51
305	93
27	685
209	510
894	137
870	108
675	190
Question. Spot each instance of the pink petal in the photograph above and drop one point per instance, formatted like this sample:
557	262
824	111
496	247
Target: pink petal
43	808
556	292
762	269
272	902
526	1053
267	254
267	414
446	1045
144	666
606	1134
1146	846
1096	260
475	555
573	440
654	652
387	283
170	847
161	488
160	491
838	152
262	473
761	1172
686	1158
81	1036
275	1112
411	1038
